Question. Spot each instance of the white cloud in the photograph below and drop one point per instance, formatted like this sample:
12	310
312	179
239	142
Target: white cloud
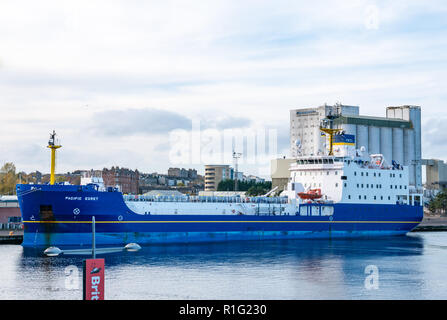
62	63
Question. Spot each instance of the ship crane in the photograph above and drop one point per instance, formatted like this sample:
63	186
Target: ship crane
53	144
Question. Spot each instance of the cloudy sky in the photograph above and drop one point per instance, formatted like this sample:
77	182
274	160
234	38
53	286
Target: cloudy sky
115	79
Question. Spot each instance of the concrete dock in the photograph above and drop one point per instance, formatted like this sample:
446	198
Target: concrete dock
432	223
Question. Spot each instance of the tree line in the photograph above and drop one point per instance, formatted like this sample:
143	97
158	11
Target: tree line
252	188
9	178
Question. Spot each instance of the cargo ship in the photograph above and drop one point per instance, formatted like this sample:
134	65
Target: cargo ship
342	193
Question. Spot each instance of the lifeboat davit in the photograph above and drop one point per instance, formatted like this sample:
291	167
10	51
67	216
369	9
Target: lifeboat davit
312	194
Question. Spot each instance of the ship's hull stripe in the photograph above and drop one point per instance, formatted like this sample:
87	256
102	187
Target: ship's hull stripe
241	221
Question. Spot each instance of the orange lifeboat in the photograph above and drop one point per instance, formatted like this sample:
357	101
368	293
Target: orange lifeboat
312	194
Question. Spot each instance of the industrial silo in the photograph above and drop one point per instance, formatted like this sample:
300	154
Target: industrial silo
412	140
362	137
349	129
398	145
415	117
373	140
409	154
386	143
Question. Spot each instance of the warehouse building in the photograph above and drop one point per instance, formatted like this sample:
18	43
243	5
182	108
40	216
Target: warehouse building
436	174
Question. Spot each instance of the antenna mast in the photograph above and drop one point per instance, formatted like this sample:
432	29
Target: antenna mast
53	144
327	127
235	157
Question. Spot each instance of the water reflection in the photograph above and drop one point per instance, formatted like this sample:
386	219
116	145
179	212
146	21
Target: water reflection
289	269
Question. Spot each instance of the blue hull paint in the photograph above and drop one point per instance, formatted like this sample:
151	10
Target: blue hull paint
117	224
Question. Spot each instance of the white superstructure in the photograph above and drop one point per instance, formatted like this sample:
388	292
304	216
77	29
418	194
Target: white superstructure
352	180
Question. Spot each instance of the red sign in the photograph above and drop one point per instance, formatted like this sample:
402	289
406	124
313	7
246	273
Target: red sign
93	279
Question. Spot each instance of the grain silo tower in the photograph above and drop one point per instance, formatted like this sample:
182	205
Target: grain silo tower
408	140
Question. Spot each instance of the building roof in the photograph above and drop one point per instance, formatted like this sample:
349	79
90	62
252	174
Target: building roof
161	193
374	121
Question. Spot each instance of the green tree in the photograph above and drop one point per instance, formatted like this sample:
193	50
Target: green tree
252	188
439	203
8	178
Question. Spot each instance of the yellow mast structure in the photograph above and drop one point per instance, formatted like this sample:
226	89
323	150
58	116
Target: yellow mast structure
53	145
331	133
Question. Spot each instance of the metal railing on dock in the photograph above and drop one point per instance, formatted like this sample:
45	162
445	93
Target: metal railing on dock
205	199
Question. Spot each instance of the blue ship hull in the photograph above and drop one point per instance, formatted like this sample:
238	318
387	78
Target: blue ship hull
58	215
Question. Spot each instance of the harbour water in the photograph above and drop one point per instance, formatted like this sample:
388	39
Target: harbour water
407	267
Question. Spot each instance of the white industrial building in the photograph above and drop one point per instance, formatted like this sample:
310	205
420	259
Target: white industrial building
397	136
